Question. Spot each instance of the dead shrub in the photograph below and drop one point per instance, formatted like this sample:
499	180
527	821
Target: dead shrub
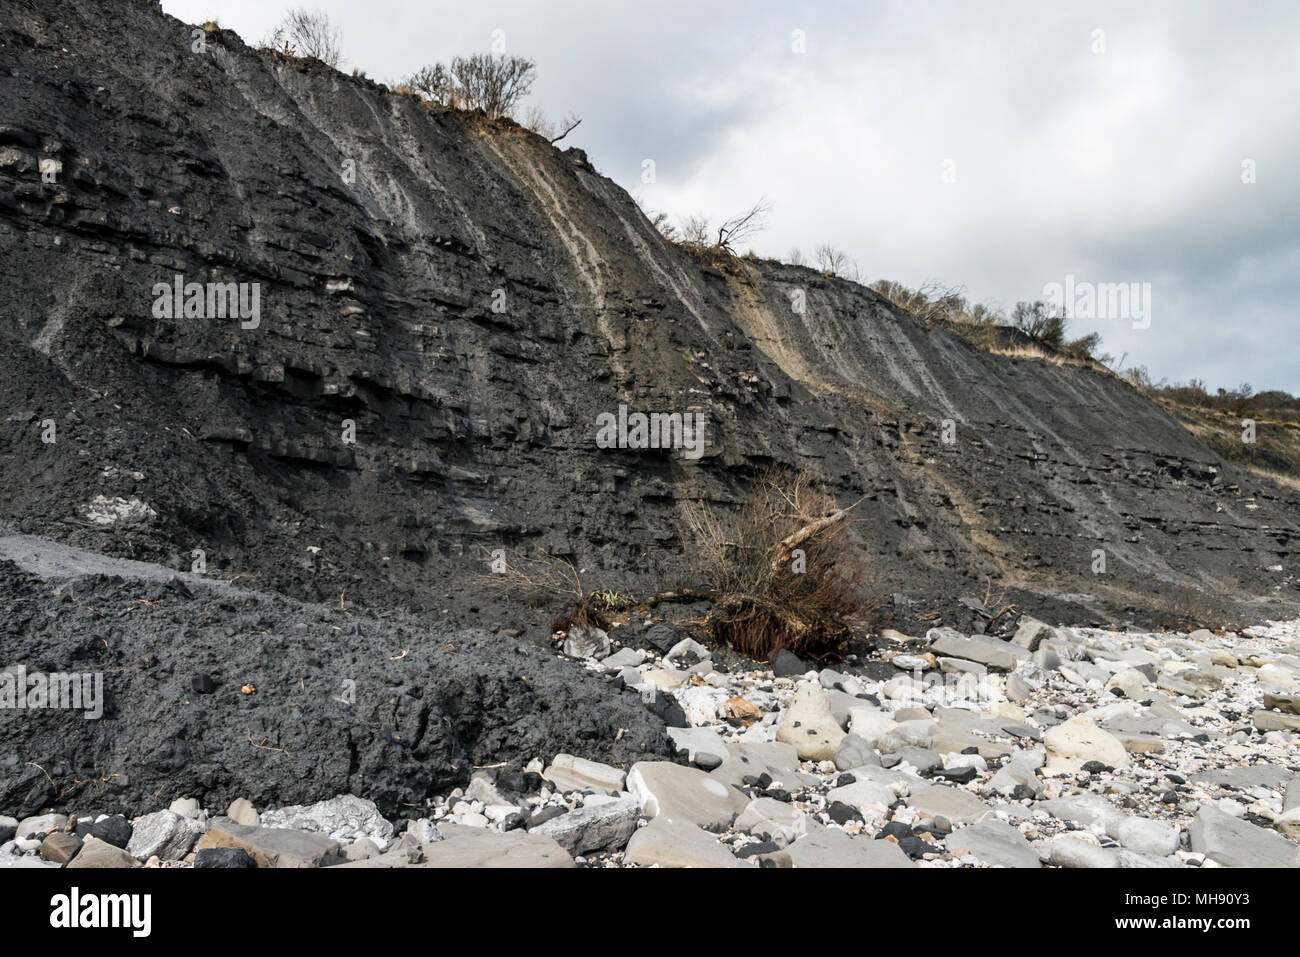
784	568
542	578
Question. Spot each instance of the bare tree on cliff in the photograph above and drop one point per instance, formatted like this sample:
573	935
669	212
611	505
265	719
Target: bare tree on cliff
308	33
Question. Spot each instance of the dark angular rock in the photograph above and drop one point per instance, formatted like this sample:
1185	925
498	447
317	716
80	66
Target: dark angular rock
786	664
662	636
203	684
664	707
760	847
914	847
842	813
959	775
895	829
224	858
544	814
115	830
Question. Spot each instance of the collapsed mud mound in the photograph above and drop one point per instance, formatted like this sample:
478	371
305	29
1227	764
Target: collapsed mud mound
397	709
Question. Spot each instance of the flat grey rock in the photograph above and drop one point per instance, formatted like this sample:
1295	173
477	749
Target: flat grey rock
781	761
593	828
863	795
666	842
697	742
995	843
990	652
767	815
471	847
832	848
922	759
956	804
1255	775
1067	851
344	818
854	752
683	794
1233	842
271	847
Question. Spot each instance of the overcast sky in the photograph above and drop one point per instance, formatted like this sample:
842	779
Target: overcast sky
997	146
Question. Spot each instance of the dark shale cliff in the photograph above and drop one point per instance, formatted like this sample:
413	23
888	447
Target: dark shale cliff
475	428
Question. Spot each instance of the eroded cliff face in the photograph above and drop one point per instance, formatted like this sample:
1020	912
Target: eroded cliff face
471	299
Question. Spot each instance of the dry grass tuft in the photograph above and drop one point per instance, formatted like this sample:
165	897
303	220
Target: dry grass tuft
544	578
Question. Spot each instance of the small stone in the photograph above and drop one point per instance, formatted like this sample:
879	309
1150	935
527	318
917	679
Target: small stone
758	847
1018	689
586	641
686	653
843	813
663	706
363	848
810	726
241	811
1068	851
424	831
1283	702
223	858
60	847
163	834
766	815
95	853
1276	721
115	830
957	775
854	752
990	652
39	826
185	807
1074	743
922	759
569	773
786	664
956	804
870	725
865	797
666	842
1146	836
1129	683
624	658
592	829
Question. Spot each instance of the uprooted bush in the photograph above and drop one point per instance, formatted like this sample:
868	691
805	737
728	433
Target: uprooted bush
783	567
